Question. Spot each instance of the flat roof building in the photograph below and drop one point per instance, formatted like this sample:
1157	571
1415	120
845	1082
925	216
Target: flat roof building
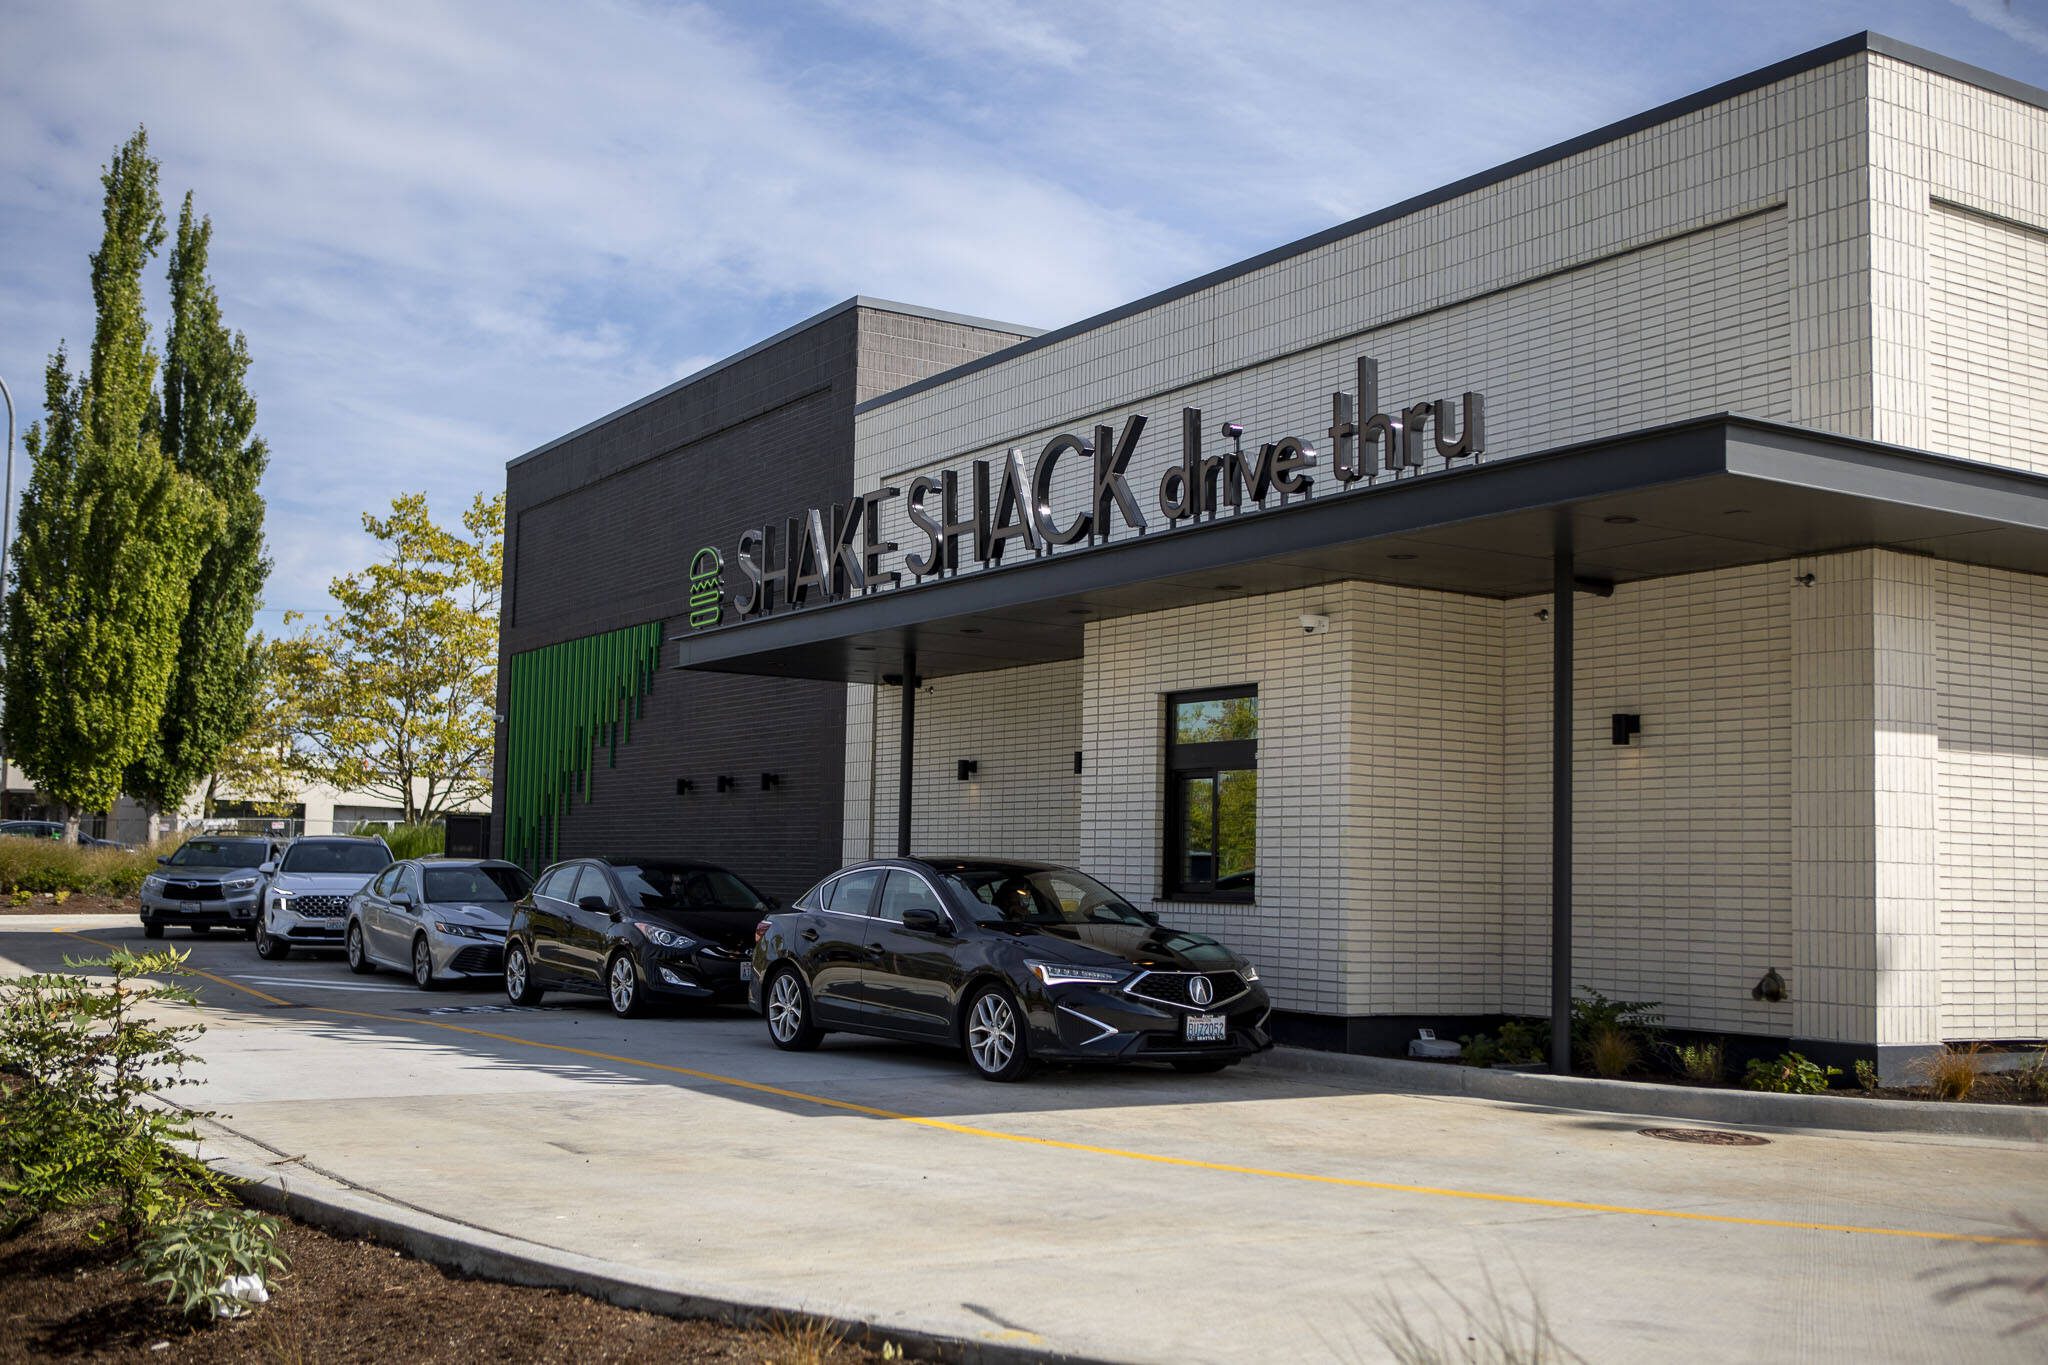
1625	569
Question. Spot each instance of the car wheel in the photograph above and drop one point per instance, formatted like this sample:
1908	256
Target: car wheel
268	948
152	930
1201	1066
519	985
423	965
995	1036
789	1013
358	951
622	987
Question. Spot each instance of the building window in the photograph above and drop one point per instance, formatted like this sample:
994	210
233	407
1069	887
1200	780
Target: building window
1212	793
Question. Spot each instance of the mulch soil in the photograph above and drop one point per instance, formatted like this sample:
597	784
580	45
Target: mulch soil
77	903
62	1298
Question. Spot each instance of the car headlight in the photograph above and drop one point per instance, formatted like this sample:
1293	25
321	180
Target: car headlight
244	883
448	926
663	938
280	899
152	883
1250	973
1067	974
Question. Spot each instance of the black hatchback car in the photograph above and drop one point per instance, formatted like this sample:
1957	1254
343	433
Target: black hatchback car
1016	963
634	930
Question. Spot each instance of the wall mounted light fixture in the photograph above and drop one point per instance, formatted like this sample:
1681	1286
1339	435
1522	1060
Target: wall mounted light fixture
967	768
1771	988
770	781
1804	580
1626	724
1077	762
726	784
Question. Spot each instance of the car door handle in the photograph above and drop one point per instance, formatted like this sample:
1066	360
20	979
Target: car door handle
876	951
810	936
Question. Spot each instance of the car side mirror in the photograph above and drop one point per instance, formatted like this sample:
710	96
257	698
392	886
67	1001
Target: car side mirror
268	869
402	899
594	904
925	920
1150	917
163	860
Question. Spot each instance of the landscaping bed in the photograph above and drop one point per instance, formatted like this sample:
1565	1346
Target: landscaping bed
340	1300
75	903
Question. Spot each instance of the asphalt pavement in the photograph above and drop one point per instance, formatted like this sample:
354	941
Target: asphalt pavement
1139	1215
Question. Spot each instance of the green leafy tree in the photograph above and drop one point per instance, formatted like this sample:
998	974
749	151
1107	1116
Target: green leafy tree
111	534
400	686
208	433
262	765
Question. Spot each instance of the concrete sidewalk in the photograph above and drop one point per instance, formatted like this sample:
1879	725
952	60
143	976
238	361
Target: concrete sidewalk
1123	1215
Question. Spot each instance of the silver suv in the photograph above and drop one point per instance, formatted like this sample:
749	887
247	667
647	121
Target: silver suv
306	903
208	883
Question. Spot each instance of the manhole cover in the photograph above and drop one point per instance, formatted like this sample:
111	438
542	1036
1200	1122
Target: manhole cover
1710	1137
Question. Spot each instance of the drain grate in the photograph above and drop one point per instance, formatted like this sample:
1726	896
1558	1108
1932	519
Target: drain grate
1706	1137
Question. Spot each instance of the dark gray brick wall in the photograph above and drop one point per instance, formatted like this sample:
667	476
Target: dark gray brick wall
600	529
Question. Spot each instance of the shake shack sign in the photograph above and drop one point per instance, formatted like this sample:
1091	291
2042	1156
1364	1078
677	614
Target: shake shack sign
979	513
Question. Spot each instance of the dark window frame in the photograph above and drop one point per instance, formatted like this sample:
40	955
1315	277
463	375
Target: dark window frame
1194	761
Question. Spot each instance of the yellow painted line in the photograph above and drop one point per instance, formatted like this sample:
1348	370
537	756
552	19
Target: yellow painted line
189	969
1190	1163
1150	1158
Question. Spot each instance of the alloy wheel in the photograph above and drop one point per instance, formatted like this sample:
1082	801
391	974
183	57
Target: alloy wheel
785	1008
358	951
515	974
622	984
422	964
992	1032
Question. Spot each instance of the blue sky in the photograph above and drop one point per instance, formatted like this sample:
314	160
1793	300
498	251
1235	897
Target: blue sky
453	231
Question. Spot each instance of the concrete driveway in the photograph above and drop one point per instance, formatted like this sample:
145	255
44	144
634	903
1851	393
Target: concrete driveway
1137	1215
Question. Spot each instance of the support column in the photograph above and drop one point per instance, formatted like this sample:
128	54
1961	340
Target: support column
906	747
1562	592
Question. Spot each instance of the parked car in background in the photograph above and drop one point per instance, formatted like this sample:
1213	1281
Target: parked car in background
208	883
305	903
441	919
635	930
51	829
1015	963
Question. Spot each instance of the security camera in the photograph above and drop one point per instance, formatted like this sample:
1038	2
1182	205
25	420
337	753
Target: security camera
1232	430
1314	623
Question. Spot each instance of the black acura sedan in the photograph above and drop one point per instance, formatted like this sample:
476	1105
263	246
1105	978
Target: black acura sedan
634	930
1015	963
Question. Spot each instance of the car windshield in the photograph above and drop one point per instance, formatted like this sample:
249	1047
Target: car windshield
654	887
353	856
221	853
1024	895
489	885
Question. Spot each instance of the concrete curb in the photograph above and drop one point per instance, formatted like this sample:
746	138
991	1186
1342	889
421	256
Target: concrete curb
2013	1123
492	1256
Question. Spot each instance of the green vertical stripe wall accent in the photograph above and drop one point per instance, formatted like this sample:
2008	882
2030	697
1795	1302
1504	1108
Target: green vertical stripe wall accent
567	700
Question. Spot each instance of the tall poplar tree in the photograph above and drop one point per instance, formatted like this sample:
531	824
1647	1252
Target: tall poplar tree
111	534
208	433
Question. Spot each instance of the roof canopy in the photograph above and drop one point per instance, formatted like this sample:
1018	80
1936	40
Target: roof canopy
1704	494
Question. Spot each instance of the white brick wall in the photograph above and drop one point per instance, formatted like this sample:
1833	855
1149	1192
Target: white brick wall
1682	883
1993	826
1847	782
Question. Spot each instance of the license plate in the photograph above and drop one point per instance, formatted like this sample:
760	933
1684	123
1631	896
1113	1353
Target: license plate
1206	1028
746	971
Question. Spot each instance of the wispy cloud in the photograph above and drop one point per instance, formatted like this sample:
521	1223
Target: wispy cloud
454	229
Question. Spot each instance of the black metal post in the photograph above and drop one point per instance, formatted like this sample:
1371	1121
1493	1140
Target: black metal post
1561	602
906	746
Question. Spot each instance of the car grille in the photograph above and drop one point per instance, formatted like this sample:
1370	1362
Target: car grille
1171	988
482	958
193	891
320	907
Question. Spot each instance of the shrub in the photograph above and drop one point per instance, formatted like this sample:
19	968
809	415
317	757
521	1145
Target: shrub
196	1253
1614	1052
79	1128
1866	1074
408	841
47	866
1592	1011
2031	1080
1703	1063
1520	1042
1790	1074
1952	1072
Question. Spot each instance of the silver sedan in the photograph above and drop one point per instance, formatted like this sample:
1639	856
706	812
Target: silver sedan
437	919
